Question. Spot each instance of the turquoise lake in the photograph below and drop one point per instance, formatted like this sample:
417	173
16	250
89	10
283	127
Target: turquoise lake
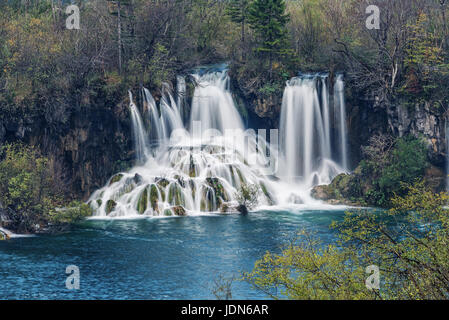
155	258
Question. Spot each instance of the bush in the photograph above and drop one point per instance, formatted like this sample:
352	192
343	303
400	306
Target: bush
74	212
408	243
247	195
396	163
30	190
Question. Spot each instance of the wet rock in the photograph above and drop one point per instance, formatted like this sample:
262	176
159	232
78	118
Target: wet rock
142	204
242	209
175	195
110	206
323	192
294	198
154	197
179	211
227	207
137	178
267	194
116	178
162	182
192	171
435	178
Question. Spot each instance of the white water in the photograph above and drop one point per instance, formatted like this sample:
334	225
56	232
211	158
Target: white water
199	167
305	130
340	111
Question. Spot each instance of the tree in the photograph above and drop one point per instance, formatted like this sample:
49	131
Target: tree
268	19
408	243
30	191
116	9
237	10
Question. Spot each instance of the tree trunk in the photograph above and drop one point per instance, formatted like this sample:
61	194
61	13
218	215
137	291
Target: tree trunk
243	39
443	16
119	31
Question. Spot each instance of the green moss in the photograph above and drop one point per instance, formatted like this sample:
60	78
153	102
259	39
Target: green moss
266	193
162	182
116	178
175	195
142	204
110	206
154	197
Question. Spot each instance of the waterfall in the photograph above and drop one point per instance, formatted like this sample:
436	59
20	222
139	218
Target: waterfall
200	167
139	133
305	129
188	170
212	102
340	112
181	93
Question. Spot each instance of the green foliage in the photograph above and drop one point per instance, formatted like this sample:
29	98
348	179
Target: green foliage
424	62
268	19
247	195
408	244
26	186
74	212
387	169
237	10
31	190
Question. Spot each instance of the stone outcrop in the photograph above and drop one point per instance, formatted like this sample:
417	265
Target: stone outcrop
421	119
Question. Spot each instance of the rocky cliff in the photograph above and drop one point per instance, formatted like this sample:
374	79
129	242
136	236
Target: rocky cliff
91	144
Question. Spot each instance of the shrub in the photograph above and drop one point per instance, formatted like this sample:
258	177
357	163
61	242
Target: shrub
74	212
247	195
390	164
408	243
30	190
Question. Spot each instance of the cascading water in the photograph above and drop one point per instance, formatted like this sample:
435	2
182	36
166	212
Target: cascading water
340	113
200	167
140	138
193	170
305	128
212	103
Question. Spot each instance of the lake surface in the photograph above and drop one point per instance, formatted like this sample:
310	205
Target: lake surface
156	258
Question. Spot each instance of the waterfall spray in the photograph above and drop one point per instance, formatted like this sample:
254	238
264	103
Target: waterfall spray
200	168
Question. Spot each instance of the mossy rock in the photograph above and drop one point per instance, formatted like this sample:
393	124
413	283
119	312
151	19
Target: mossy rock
266	193
167	212
99	202
346	186
137	178
110	206
217	186
142	203
179	211
162	182
192	187
175	195
116	178
192	171
324	192
154	197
